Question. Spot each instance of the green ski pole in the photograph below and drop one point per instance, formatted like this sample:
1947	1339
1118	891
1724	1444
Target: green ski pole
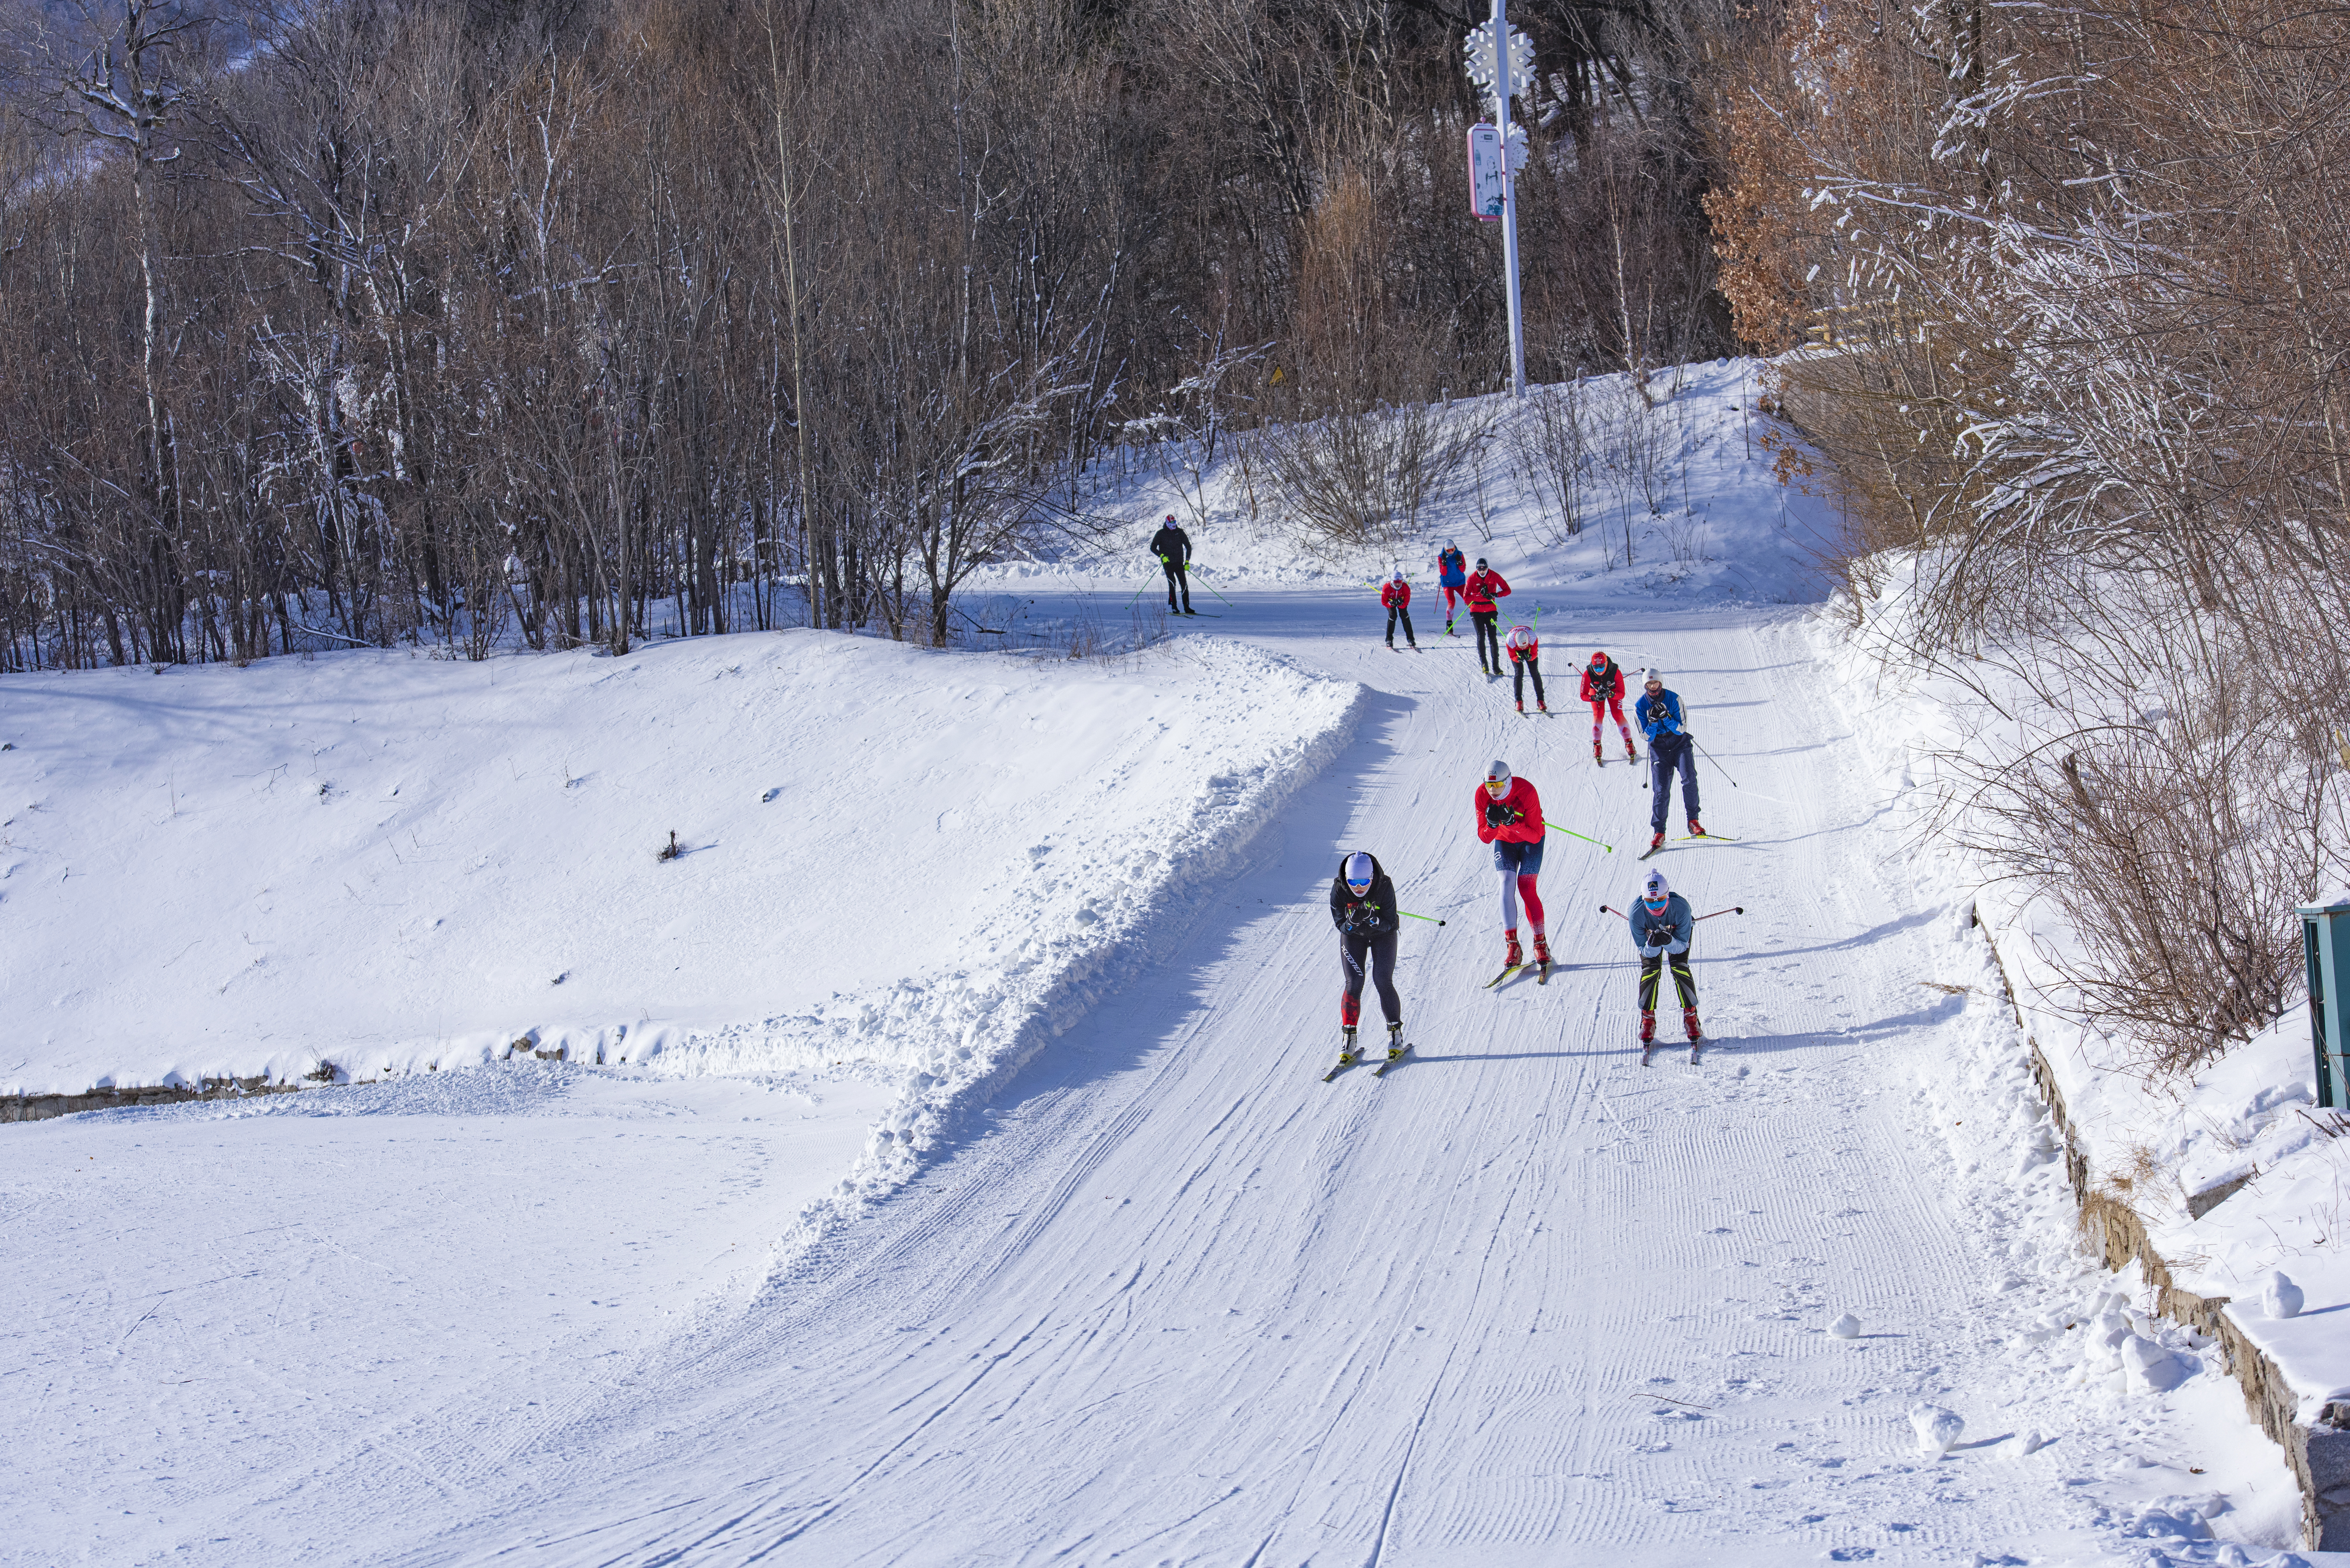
1571	833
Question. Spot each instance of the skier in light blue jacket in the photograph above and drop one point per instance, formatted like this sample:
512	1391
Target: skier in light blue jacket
1662	925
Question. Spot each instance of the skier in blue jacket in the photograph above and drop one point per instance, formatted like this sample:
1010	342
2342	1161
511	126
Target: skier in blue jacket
1662	925
1453	576
1671	746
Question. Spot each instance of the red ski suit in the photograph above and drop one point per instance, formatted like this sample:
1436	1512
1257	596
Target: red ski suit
1396	596
1606	698
1481	589
1517	873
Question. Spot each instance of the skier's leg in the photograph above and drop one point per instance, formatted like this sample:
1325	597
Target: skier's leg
1533	667
1660	786
1532	900
1173	574
1407	636
1183	578
1518	680
1688	778
1650	973
1505	861
1383	960
1683	980
1391	615
1598	713
1350	1002
1615	706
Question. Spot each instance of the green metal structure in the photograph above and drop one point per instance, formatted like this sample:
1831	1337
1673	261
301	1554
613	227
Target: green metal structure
2325	948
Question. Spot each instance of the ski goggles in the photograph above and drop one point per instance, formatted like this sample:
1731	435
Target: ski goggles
1357	888
1656	906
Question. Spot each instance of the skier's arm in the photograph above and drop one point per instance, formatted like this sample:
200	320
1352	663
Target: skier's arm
1383	902
1339	901
1680	927
1501	588
1528	828
1643	938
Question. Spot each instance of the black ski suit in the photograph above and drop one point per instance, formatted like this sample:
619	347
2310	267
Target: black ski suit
1173	548
1366	940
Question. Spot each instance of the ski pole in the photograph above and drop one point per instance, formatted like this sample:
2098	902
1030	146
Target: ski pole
1733	910
1571	833
1431	917
1717	767
1211	587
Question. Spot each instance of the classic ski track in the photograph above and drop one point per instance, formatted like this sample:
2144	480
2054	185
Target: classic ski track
1171	1297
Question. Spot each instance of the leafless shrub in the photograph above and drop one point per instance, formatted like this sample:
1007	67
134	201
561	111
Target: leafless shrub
1357	478
1548	440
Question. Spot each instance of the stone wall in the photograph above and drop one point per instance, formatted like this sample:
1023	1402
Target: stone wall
2318	1452
41	1107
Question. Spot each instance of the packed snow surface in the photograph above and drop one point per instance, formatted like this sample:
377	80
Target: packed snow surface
1141	1288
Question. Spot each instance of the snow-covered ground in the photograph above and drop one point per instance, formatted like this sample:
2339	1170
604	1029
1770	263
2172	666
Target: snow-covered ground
1130	1283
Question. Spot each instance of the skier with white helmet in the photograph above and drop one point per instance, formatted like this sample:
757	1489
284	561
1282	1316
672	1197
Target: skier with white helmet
1510	819
1672	748
1363	908
1395	595
1526	659
1662	925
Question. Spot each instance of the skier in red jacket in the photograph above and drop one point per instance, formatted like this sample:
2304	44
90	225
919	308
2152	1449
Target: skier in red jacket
1603	688
1481	589
1396	596
1510	819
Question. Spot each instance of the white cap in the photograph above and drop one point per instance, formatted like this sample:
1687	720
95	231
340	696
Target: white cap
1499	773
1654	885
1653	674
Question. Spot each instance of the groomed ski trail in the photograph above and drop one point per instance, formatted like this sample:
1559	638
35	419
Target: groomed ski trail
1171	1299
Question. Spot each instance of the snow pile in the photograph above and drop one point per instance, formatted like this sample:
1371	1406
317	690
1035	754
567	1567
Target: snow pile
2240	1141
1675	502
370	864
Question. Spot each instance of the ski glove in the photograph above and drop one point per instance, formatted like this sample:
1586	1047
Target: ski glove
1652	952
1498	815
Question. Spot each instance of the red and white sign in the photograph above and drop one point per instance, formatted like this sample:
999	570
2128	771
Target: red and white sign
1487	182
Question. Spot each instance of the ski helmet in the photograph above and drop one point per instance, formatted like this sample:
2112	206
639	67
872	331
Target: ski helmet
1497	777
1521	636
1598	659
1655	889
1398	577
1359	872
1655	676
1480	563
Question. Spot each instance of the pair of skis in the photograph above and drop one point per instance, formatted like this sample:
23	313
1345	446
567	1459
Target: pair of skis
1649	1051
1378	1072
1542	974
1692	838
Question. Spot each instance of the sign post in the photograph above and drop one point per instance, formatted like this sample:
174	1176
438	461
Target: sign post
1498	59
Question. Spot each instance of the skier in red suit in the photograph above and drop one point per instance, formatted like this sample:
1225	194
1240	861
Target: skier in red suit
1396	596
1603	688
1510	819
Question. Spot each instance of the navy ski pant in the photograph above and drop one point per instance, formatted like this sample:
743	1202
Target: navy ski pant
1666	752
1177	578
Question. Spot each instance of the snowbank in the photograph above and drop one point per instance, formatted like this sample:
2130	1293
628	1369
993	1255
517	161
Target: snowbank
371	864
2231	1173
1677	504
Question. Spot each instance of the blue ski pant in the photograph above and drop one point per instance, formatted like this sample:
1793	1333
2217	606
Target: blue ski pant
1666	752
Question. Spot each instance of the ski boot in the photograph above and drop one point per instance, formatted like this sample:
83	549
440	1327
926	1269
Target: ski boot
1346	1047
1656	844
1513	958
1522	704
1449	631
1689	1022
1697	829
1542	948
1541	706
1595	755
1647	1027
1395	1042
1629	754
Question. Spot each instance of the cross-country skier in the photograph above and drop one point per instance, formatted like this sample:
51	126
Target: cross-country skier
1451	573
1363	908
1481	590
1510	819
1173	548
1603	688
1396	596
1670	747
1526	659
1663	926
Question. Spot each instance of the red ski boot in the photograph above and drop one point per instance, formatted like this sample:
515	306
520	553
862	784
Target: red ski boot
1697	829
1656	844
1542	948
1629	754
1514	958
1648	1028
1596	756
1521	706
1689	1022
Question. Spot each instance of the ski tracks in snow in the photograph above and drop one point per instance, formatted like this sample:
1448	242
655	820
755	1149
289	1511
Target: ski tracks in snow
1172	1299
